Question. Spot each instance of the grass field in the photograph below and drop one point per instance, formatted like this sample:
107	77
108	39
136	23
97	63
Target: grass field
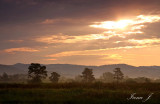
78	93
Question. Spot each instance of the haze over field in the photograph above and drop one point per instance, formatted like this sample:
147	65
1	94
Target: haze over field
71	71
83	32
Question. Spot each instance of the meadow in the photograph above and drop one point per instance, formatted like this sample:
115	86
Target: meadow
79	93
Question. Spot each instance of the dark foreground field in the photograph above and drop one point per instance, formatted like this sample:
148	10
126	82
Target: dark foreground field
79	93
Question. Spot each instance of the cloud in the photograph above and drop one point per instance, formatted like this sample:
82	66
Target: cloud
63	20
113	56
96	52
61	38
88	9
145	41
93	26
50	59
84	55
22	49
127	26
49	21
130	30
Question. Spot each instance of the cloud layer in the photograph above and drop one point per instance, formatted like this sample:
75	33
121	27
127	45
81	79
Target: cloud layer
69	31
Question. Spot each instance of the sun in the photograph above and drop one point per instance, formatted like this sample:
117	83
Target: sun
113	24
122	24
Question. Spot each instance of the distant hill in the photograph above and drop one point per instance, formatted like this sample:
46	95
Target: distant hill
69	70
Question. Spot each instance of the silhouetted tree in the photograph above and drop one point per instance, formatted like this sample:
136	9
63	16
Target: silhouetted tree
54	77
37	72
4	77
87	75
118	75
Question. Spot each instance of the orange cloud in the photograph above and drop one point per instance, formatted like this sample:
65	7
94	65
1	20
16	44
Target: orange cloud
81	53
144	41
48	21
147	19
112	24
121	28
101	55
50	59
96	52
128	26
115	28
113	56
22	49
61	38
139	20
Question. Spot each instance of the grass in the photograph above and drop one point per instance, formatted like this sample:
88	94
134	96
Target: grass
78	93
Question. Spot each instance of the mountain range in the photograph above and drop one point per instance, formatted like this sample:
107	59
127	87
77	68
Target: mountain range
70	70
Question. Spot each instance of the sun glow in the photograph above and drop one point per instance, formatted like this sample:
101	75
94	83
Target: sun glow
112	24
135	23
125	27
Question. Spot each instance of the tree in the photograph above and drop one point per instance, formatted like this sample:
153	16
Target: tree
37	72
87	75
107	77
118	75
4	77
54	77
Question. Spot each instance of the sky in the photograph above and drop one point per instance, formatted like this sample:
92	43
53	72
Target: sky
83	32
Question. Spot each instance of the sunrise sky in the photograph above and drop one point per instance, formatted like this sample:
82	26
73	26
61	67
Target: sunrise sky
84	32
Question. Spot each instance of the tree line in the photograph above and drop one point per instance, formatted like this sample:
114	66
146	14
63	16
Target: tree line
37	73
